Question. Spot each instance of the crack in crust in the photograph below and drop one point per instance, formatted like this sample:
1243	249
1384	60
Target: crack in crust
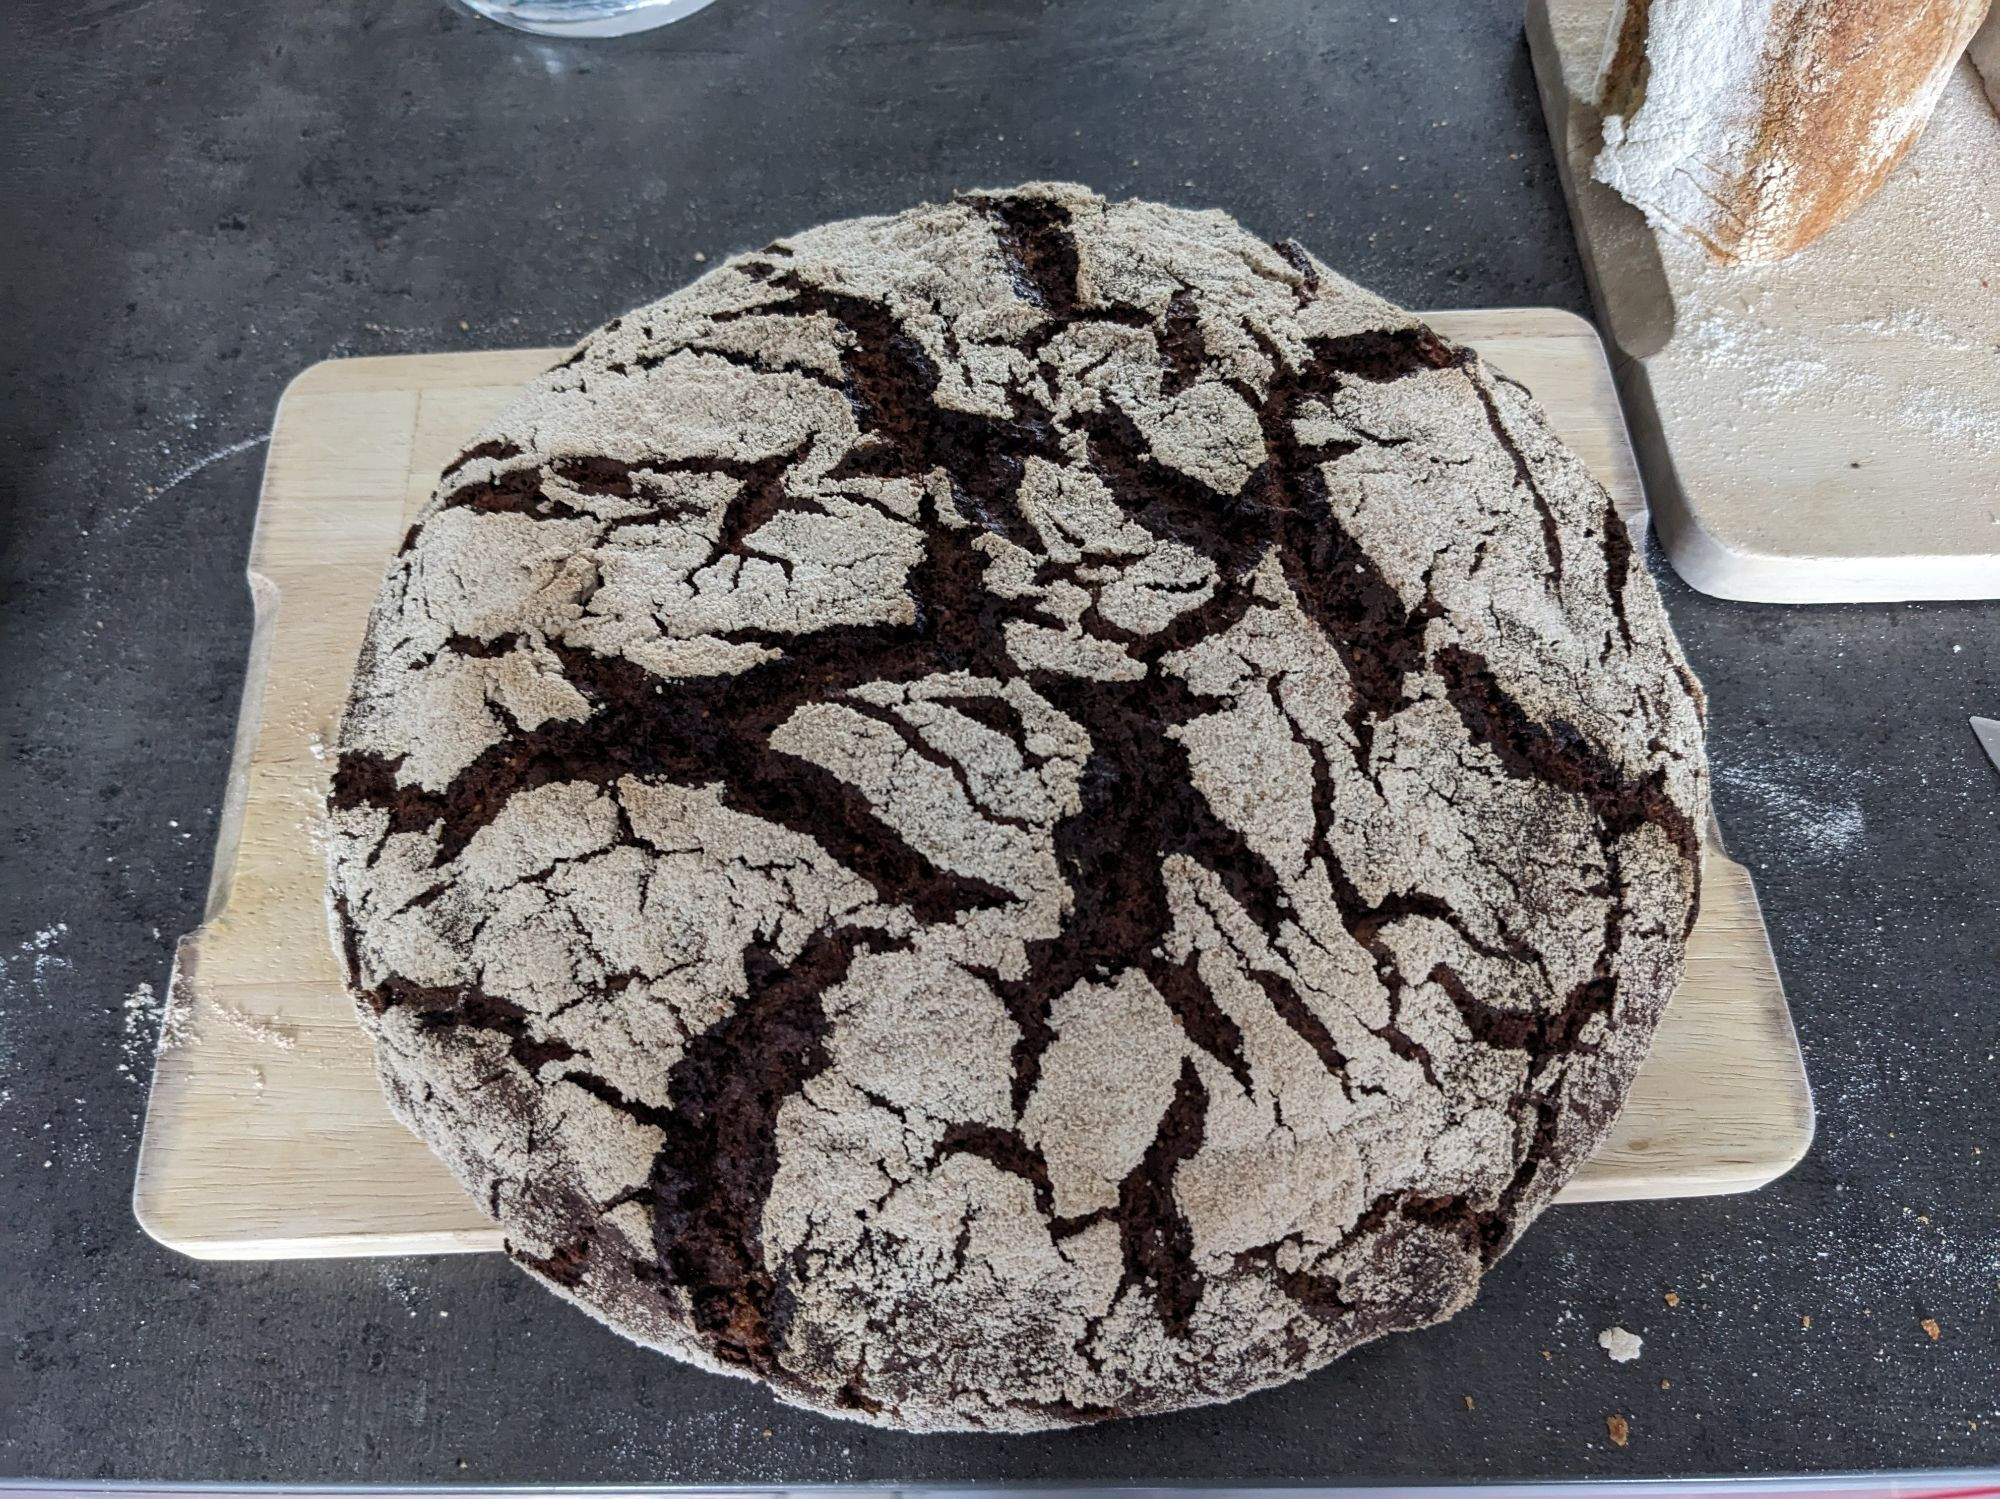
1014	815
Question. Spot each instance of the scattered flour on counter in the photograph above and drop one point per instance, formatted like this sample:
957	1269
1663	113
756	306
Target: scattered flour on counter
406	1292
181	475
141	1031
152	1024
1811	819
1623	1346
25	974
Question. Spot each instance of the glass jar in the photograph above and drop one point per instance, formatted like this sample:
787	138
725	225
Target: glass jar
584	17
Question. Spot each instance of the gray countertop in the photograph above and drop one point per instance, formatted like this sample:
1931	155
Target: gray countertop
204	196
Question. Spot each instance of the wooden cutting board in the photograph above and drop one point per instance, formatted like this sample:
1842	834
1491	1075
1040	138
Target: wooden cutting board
1823	429
267	1137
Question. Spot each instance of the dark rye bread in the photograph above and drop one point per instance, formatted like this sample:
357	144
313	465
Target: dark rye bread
1021	813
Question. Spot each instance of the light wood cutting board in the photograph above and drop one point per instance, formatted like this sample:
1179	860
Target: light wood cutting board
1828	428
267	1137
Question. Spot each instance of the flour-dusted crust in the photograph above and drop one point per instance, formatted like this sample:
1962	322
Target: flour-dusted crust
1029	811
1755	126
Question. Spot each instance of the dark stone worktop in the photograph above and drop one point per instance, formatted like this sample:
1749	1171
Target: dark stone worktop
201	197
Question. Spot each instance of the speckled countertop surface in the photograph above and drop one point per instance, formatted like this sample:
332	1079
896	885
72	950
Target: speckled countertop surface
204	196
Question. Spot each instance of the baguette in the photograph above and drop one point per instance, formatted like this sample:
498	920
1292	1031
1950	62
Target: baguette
1755	126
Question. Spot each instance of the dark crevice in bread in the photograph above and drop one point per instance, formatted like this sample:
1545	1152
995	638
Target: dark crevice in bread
715	1165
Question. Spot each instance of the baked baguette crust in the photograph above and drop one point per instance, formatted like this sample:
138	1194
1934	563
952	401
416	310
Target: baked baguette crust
1754	128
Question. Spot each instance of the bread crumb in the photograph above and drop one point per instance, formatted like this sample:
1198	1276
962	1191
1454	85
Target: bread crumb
1547	1357
1666	1384
1620	1430
1930	1325
1805	1321
1672	1298
1623	1346
1468	1402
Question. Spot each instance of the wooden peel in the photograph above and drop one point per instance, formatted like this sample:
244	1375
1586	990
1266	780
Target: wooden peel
267	1136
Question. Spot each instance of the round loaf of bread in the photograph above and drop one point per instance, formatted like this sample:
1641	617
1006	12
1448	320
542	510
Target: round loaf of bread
1030	811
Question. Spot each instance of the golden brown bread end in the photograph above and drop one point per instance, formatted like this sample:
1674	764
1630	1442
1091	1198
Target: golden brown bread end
1755	128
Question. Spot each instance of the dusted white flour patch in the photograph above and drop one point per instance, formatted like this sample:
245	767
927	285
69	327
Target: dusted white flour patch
1026	812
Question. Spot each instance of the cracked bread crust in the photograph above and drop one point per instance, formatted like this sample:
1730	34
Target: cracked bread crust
1030	811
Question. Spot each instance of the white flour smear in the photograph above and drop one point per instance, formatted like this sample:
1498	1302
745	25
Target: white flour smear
1811	820
25	974
182	475
31	965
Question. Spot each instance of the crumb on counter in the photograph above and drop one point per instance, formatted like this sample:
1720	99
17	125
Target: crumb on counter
1623	1346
